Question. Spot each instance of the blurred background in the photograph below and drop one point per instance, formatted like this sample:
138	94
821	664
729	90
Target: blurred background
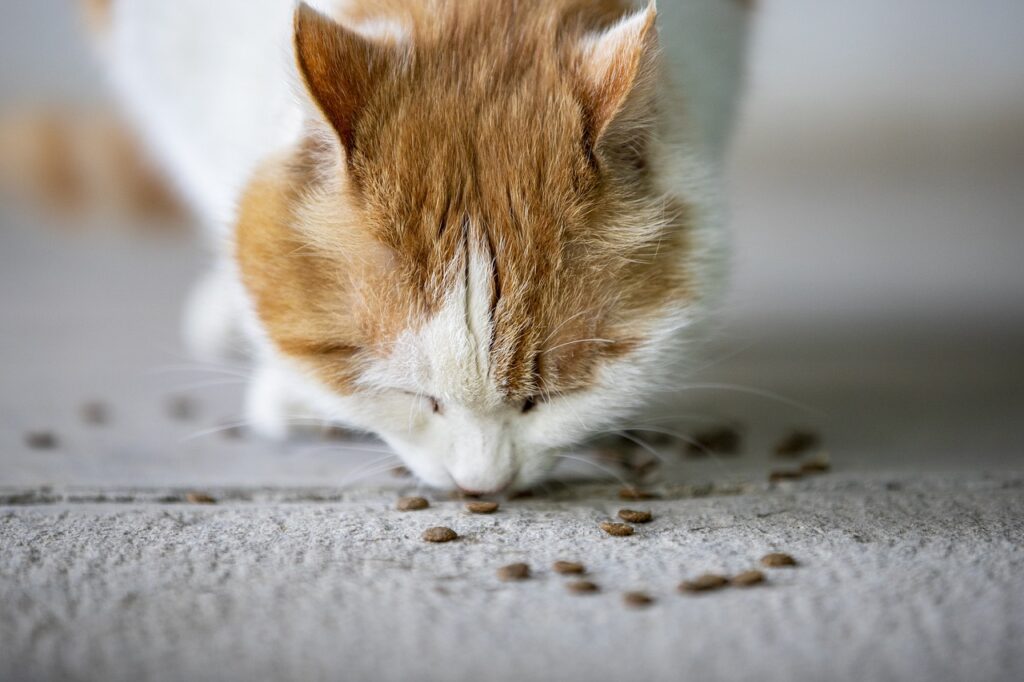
878	200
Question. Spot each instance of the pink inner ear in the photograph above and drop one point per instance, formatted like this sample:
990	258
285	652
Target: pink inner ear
340	68
616	69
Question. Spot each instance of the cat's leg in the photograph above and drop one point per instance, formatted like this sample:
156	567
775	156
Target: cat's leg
213	324
275	406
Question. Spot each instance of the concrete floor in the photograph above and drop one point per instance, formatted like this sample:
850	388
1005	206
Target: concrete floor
911	550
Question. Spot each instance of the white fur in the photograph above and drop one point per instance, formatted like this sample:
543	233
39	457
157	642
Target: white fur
210	85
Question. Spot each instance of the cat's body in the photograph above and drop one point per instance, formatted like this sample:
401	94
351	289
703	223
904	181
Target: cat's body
479	228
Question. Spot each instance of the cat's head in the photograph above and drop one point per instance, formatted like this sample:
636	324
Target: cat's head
473	252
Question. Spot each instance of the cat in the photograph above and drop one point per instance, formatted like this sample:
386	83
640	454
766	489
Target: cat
483	230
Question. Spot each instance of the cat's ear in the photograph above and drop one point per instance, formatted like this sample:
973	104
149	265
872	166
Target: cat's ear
340	69
616	73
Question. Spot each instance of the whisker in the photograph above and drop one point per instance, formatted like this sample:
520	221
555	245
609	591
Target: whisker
753	391
597	466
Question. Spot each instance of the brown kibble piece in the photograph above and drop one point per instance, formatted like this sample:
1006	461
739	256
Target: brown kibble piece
815	466
400	472
199	498
724	440
523	495
511	572
582	586
181	408
748	578
703	583
630	493
634	516
619	530
785	475
569	567
637	599
41	440
336	433
482	507
412	503
777	560
95	413
439	534
797	443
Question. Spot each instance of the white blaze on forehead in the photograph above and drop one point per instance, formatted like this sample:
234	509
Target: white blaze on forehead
449	356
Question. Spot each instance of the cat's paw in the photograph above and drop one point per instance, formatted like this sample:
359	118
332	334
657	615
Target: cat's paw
274	408
213	329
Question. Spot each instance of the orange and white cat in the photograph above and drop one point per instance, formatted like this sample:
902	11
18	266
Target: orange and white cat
482	229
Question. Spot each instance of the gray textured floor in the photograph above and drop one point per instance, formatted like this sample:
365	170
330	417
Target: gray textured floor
911	550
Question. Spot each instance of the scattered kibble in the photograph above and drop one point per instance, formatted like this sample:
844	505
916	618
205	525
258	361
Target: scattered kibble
231	431
785	475
181	407
569	567
619	530
634	516
724	440
412	503
797	443
41	440
777	560
815	466
482	507
335	433
631	493
704	583
199	498
439	534
95	413
748	578
637	599
518	571
582	586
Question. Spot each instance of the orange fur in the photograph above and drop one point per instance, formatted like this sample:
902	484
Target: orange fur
494	126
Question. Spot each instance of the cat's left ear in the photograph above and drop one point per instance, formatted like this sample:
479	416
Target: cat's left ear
616	77
340	68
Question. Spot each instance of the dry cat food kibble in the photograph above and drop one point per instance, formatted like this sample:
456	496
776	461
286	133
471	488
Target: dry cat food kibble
518	571
748	578
785	475
797	443
439	534
482	507
619	530
569	567
181	408
95	413
411	503
582	586
630	493
400	472
41	440
199	498
637	599
777	560
815	466
724	440
634	516
703	583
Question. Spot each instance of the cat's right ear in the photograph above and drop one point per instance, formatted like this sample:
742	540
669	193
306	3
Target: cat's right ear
339	68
